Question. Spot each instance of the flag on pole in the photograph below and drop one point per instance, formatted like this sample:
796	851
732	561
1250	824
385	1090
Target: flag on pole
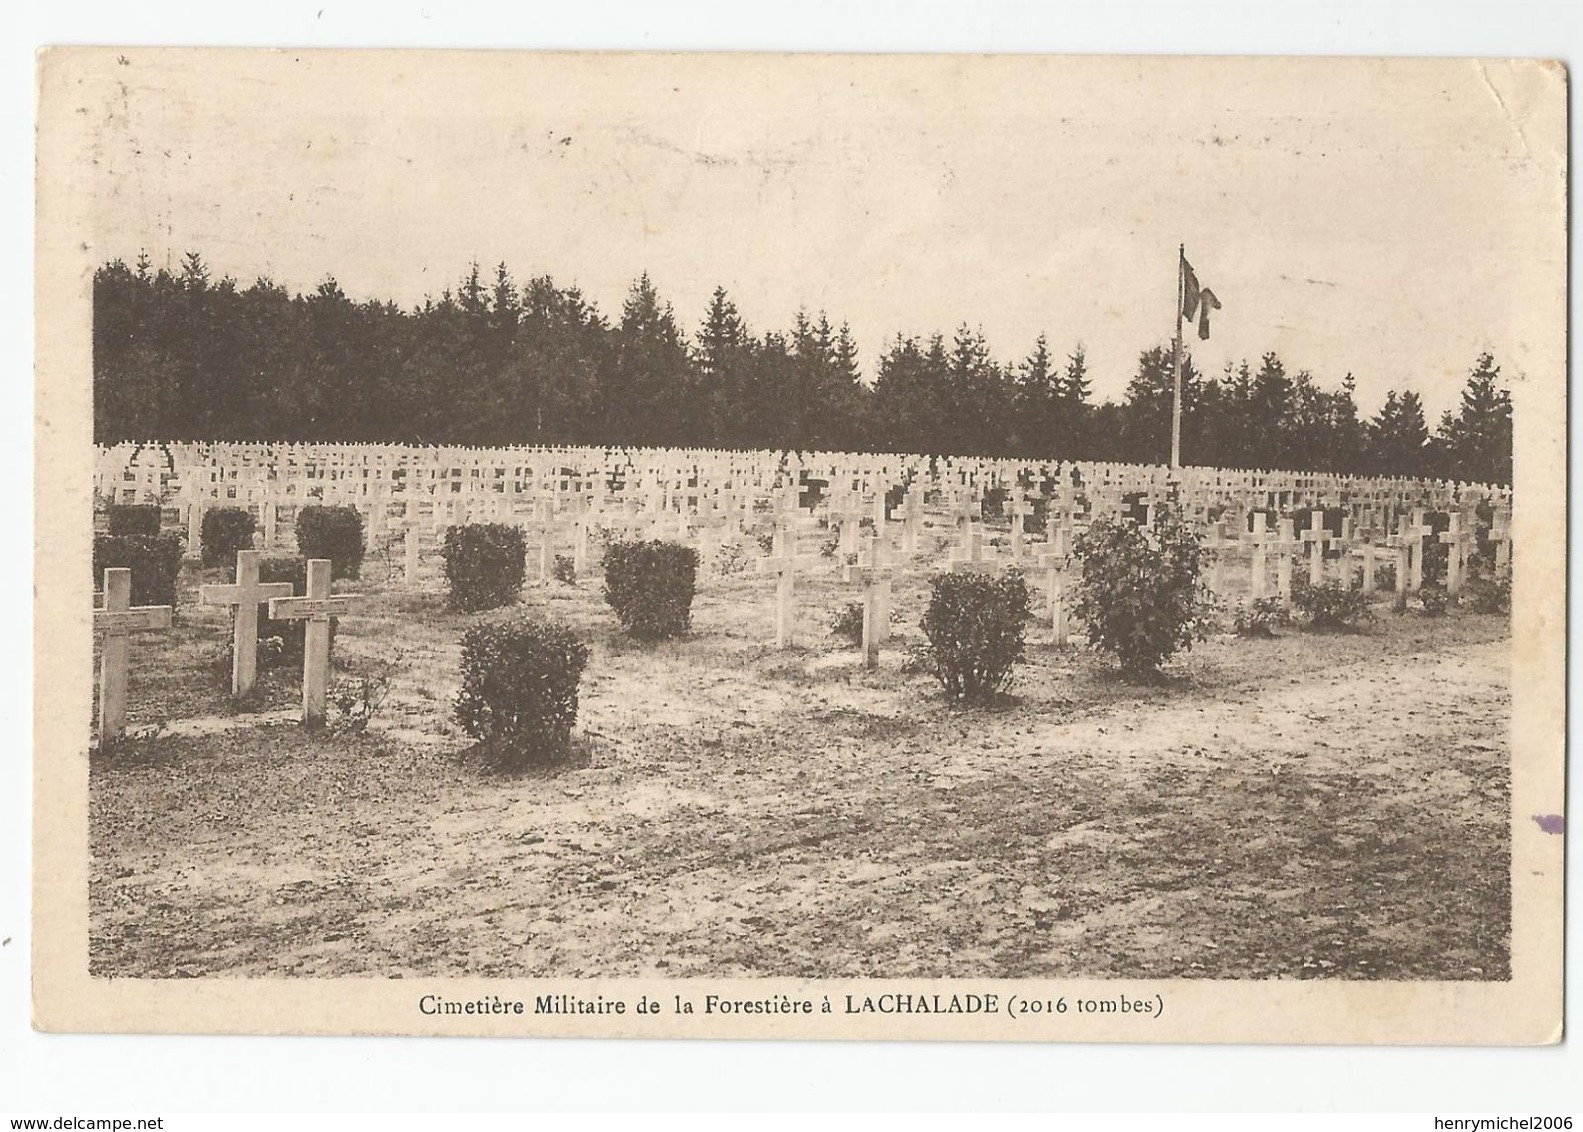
1197	301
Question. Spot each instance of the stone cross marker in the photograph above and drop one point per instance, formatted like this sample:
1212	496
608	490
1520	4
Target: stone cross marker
244	597
316	608
784	563
875	577
113	624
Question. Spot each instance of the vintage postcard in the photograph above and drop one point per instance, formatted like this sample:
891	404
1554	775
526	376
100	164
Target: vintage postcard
908	547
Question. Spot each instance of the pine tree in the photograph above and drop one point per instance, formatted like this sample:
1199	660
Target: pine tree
1477	444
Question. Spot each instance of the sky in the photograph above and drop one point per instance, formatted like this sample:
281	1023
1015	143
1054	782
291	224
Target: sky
1389	219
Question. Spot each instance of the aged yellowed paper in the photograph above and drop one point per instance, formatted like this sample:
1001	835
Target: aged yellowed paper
926	375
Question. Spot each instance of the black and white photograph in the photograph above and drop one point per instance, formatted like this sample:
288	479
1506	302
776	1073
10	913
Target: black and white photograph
802	546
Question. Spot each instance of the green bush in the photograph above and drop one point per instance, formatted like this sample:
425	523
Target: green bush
335	533
974	630
226	530
565	569
519	689
650	586
485	564
1138	591
134	519
1330	605
155	562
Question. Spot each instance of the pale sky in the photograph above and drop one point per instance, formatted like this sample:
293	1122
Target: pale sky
1393	219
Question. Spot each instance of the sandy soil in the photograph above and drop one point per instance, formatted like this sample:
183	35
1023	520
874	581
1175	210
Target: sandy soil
1309	806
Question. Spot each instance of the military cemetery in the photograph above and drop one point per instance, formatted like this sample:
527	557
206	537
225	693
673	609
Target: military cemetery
956	606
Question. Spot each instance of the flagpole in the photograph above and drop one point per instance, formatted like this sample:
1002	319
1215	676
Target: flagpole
1176	365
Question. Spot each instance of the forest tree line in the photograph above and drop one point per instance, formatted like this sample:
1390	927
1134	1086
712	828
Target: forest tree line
178	355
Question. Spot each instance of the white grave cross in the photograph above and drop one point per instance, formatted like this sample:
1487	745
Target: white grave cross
114	623
244	597
876	577
316	608
783	563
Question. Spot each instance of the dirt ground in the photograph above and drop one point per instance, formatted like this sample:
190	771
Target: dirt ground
1314	805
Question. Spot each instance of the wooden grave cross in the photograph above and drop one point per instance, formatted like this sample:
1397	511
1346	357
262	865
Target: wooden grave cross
1053	561
316	607
912	518
783	563
1317	537
848	512
970	555
1501	536
113	624
1410	540
1018	508
244	596
1454	538
1259	536
1216	543
875	575
1285	545
411	527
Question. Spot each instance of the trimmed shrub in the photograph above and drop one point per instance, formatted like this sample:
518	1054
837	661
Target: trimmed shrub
134	519
335	533
155	562
1330	605
650	586
485	564
519	689
565	569
974	630
226	530
1138	592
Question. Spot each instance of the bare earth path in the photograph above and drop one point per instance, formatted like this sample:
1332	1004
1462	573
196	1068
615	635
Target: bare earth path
1308	807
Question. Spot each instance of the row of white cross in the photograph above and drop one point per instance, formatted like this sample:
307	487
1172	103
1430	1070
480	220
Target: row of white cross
118	618
874	569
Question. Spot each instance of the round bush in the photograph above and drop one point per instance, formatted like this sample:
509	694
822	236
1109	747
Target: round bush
1138	591
335	533
155	562
650	585
142	519
225	531
974	628
485	564
519	689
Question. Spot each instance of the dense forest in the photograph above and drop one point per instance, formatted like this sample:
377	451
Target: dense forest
179	355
